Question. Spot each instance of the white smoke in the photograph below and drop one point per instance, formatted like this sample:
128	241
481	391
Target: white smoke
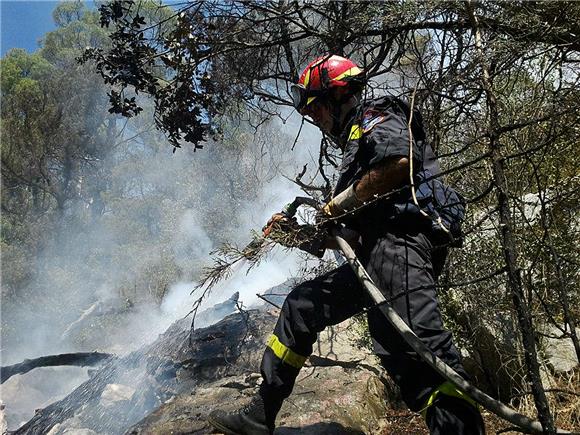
190	241
279	264
43	320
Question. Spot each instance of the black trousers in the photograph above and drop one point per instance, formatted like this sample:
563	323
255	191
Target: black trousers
404	265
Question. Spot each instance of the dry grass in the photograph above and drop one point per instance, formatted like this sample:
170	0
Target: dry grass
564	397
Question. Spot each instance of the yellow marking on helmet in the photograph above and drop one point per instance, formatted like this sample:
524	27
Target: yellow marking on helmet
310	68
355	132
354	71
284	353
307	77
448	389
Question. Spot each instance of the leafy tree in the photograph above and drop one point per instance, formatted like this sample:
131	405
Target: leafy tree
497	83
94	206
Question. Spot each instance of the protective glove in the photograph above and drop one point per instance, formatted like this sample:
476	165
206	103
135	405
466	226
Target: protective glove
277	221
342	203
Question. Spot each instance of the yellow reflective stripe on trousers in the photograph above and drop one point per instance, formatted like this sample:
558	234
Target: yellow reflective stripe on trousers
285	353
448	389
355	132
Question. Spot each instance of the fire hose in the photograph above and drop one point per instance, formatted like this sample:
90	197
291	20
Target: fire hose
526	424
488	402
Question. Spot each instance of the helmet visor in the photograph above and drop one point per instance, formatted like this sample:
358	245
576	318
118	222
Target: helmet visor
302	97
299	96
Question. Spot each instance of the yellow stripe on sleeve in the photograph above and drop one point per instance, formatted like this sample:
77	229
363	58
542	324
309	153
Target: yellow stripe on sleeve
307	78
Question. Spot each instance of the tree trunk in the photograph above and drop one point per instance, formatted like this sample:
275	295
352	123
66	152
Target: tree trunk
563	299
507	239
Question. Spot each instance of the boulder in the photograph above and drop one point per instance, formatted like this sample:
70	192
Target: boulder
341	390
559	352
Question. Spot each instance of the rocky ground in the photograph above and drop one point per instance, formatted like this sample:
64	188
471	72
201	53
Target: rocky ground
169	386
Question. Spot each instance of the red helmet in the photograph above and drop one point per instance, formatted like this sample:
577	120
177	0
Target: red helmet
320	76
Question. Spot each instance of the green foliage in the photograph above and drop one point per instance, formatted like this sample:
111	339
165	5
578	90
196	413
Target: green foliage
89	205
69	12
360	334
78	180
18	66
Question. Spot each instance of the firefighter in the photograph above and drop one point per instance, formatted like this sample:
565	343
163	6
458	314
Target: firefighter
389	193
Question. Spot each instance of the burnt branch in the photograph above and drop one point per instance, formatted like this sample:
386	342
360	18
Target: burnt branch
79	359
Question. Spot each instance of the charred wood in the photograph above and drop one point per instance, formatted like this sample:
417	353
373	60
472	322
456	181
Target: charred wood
81	359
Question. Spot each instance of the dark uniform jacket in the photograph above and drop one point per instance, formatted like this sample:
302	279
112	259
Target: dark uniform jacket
381	131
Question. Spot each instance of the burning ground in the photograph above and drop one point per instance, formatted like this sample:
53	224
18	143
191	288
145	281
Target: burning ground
170	385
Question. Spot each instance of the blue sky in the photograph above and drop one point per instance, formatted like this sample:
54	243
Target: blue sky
23	23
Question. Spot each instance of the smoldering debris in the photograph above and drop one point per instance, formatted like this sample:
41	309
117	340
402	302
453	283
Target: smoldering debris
125	390
217	312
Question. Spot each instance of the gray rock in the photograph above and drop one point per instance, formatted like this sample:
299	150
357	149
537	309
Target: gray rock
177	380
340	390
559	352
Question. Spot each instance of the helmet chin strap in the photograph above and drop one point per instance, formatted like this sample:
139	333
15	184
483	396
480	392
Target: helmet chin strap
340	116
336	124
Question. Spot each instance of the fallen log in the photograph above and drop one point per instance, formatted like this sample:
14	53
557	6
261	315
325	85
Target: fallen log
156	372
80	359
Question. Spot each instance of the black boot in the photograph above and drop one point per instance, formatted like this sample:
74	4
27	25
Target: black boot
249	420
452	415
